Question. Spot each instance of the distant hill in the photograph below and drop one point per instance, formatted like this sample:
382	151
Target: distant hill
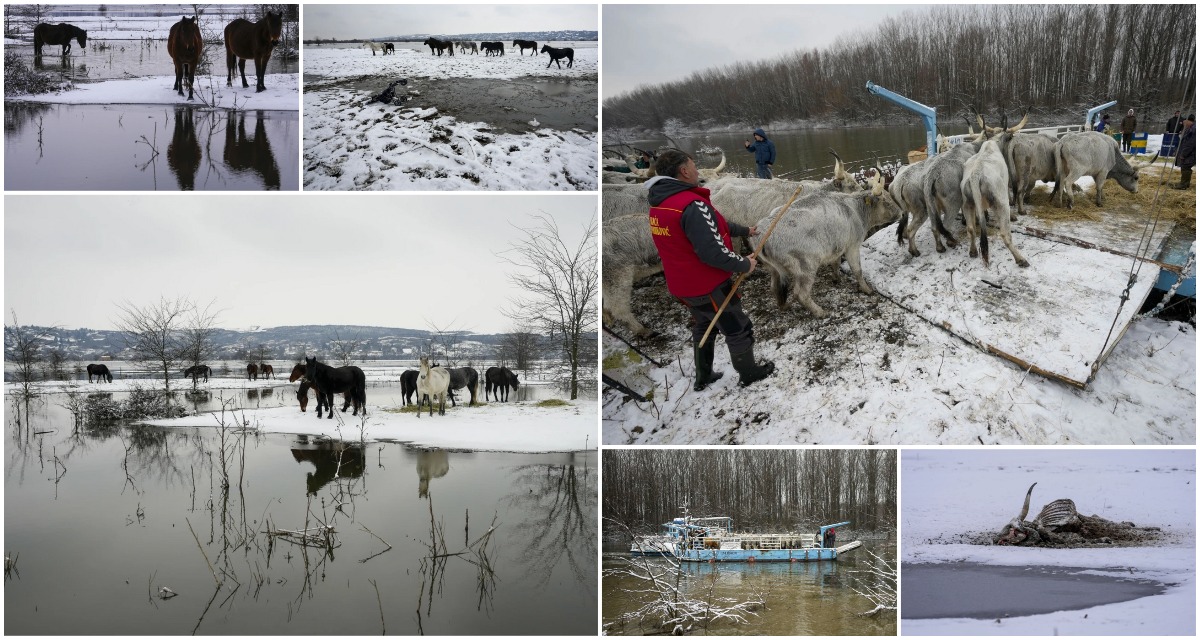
377	343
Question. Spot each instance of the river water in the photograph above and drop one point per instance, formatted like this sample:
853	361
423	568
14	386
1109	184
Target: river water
802	598
100	518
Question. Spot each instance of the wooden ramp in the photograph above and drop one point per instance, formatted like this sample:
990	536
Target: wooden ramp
1060	317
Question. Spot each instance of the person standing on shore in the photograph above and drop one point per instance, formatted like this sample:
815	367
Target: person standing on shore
764	153
1185	159
1128	125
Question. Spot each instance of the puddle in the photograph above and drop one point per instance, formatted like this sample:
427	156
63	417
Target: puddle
134	147
506	105
970	590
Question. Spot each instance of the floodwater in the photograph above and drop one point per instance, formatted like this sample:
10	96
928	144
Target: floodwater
100	519
802	598
804	153
122	59
142	147
971	590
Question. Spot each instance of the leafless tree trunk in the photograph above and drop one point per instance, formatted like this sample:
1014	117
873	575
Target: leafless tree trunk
155	333
197	336
519	348
561	285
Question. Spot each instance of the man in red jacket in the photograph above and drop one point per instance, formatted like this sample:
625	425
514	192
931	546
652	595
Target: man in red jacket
694	242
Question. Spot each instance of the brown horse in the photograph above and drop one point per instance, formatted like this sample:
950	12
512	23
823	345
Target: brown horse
266	371
245	40
252	371
185	46
297	373
246	153
302	396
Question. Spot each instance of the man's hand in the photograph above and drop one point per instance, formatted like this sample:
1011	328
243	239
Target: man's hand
753	231
753	264
747	143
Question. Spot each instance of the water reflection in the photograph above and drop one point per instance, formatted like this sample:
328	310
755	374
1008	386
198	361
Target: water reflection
332	460
246	153
430	465
563	529
183	152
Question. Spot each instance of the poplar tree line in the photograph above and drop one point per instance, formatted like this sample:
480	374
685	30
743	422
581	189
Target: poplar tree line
1051	59
761	489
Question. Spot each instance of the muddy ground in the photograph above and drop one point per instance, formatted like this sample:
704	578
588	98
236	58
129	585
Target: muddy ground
507	105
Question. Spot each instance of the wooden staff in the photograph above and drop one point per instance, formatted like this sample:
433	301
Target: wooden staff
741	277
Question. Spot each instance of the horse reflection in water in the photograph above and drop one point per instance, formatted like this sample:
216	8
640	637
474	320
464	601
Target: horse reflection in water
183	153
245	153
430	465
333	460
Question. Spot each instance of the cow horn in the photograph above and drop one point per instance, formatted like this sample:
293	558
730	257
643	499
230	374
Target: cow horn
982	126
1155	158
1025	509
839	169
1020	125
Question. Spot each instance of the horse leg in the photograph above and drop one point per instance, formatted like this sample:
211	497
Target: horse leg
178	77
260	69
190	72
230	63
329	404
242	70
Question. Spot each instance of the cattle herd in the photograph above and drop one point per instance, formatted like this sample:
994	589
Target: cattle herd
984	177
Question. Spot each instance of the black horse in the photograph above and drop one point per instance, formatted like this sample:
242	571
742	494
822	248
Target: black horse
499	378
438	46
329	381
196	371
100	371
463	377
389	48
408	385
302	396
526	44
185	45
61	33
557	54
492	48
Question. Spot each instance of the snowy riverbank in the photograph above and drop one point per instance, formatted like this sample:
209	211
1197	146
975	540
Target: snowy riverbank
282	94
423	145
946	493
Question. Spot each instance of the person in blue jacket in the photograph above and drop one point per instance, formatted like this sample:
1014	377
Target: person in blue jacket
764	153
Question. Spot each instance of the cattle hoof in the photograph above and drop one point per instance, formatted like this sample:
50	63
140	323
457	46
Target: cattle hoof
974	252
914	253
941	249
1022	263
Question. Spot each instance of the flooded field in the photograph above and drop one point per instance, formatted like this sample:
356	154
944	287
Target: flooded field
141	147
972	590
119	59
124	511
802	598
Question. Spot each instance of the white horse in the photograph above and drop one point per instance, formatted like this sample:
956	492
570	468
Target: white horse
373	45
432	382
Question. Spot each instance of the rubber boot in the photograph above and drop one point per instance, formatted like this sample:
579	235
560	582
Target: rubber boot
748	369
1185	181
704	365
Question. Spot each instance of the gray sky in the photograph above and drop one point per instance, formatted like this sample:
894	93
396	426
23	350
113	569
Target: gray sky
372	21
652	44
271	259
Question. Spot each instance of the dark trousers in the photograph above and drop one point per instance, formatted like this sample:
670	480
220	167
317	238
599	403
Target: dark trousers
764	171
1185	176
734	324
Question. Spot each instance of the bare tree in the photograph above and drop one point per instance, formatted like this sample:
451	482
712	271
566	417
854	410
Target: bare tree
444	343
23	350
154	333
519	348
561	285
197	336
344	348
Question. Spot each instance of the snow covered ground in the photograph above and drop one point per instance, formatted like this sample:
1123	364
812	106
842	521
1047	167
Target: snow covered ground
282	94
512	426
950	492
876	373
350	144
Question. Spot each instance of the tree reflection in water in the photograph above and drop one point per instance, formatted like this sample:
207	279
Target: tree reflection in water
561	503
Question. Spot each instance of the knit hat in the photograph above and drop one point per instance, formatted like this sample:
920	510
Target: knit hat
1191	117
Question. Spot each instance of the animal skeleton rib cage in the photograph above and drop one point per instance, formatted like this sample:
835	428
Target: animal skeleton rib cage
1059	524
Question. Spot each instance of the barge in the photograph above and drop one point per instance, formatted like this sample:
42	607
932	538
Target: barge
714	540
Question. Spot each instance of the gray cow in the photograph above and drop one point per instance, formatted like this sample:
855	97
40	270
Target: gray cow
1091	153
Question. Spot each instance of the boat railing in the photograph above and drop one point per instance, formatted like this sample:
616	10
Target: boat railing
756	541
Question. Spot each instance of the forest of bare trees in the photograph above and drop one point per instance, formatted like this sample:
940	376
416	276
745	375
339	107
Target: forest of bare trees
1050	59
760	489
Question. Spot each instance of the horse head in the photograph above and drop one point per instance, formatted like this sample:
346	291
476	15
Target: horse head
274	26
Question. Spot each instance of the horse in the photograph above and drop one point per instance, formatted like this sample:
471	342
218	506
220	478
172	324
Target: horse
245	153
408	385
302	396
252	371
61	33
297	373
557	54
329	381
526	44
185	47
433	382
463	377
499	378
266	371
389	48
374	47
100	371
245	40
464	47
492	48
438	46
198	370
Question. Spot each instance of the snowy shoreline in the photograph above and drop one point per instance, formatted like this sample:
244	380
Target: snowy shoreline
282	94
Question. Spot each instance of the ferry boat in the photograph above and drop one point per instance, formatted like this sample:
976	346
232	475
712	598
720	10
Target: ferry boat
714	540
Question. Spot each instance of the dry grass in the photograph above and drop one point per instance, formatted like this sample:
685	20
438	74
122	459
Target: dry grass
1153	196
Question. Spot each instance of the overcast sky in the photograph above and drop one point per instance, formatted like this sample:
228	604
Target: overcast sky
344	21
652	44
272	260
